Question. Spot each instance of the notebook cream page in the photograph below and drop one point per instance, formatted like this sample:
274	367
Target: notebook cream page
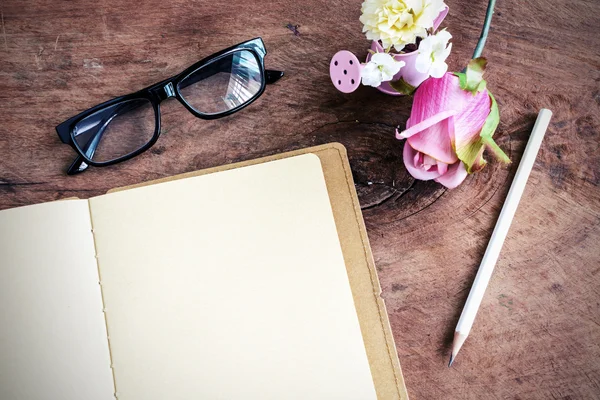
230	286
53	341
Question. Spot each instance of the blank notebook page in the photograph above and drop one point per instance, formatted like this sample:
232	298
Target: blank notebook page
230	286
52	331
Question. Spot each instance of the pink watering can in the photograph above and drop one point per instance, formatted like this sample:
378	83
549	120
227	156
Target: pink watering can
344	68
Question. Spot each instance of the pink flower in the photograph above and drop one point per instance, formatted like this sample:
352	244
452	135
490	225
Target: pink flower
448	130
425	167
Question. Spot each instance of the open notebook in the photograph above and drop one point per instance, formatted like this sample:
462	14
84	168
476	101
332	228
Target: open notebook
250	281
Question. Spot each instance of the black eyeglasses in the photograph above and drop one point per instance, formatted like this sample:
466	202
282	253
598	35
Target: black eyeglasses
126	126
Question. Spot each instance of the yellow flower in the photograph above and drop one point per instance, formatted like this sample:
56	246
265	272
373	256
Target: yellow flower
399	22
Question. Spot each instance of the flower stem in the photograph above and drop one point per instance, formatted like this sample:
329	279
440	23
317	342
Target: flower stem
485	30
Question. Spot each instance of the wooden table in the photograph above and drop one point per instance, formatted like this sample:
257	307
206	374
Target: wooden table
538	331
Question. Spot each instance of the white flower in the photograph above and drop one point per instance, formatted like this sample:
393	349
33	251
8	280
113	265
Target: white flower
381	68
399	22
432	54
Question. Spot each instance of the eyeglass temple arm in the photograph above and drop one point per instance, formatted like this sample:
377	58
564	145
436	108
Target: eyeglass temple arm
78	165
272	76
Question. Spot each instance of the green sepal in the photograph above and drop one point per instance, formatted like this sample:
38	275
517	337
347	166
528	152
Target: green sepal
475	70
401	86
472	155
462	79
488	129
472	79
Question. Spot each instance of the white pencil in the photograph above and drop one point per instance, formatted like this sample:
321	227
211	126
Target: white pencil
492	252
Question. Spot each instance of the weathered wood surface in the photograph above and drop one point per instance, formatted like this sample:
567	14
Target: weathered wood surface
538	331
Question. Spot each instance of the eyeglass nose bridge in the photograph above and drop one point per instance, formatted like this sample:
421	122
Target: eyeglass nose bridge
164	92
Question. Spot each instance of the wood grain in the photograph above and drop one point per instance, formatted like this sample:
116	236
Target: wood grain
537	335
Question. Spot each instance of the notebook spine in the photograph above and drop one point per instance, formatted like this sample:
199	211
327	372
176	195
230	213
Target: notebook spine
116	395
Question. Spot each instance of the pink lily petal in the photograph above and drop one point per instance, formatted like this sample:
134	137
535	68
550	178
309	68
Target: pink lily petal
442	167
418	158
428	161
436	141
437	95
421	126
471	119
412	161
454	177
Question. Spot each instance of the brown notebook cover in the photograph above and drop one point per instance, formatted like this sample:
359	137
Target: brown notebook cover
370	307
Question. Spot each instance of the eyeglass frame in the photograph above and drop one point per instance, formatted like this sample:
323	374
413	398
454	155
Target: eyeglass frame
156	94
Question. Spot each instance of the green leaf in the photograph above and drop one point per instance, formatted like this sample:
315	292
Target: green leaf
488	129
403	87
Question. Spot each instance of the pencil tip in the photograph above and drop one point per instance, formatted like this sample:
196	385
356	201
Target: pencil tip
451	361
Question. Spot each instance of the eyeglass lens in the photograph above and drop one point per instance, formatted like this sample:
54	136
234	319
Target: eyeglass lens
116	131
223	84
